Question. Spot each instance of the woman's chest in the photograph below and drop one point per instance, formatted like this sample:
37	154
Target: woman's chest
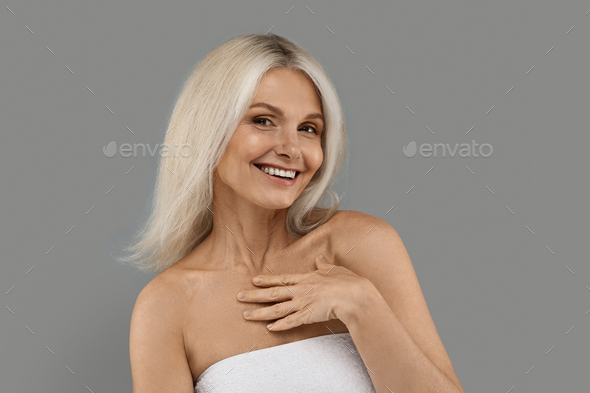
215	328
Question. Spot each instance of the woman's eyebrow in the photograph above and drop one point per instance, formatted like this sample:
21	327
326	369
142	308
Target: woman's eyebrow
281	113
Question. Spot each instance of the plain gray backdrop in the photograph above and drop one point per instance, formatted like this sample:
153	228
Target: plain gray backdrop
499	243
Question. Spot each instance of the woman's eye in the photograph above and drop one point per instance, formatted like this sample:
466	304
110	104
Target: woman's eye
261	119
312	128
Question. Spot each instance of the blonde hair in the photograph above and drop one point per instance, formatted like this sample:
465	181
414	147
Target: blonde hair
209	108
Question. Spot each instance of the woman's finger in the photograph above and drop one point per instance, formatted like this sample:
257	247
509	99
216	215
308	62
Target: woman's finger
270	313
267	295
295	319
270	280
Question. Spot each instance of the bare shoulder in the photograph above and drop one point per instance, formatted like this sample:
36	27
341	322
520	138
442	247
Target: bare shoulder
351	225
355	238
162	300
362	243
353	217
344	220
166	285
156	344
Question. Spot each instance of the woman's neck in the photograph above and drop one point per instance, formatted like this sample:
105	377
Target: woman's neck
247	240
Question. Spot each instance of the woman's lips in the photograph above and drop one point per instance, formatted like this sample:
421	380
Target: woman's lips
278	180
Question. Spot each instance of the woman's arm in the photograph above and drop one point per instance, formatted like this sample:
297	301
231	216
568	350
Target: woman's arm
390	323
156	348
394	361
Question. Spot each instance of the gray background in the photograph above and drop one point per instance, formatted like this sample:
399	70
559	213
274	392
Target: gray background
501	295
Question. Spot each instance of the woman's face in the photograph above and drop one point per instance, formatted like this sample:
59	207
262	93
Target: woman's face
282	128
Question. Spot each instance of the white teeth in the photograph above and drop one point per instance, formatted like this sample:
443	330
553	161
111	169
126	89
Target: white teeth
278	172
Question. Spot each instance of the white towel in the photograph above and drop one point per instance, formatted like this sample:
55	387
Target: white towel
328	363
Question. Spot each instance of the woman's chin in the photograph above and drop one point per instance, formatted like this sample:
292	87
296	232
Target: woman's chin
274	205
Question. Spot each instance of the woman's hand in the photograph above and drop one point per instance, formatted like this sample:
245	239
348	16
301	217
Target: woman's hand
327	293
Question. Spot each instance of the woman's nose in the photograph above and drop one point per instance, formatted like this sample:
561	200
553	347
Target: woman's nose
289	143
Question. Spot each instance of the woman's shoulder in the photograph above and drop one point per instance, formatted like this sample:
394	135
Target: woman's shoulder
168	288
349	228
346	220
339	215
159	289
345	226
159	307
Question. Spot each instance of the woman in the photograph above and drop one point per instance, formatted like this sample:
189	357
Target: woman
267	138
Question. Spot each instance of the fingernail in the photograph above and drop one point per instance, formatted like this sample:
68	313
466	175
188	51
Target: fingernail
242	295
322	257
247	313
269	326
258	280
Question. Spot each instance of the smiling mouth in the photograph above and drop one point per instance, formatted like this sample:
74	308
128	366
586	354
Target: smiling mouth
280	177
